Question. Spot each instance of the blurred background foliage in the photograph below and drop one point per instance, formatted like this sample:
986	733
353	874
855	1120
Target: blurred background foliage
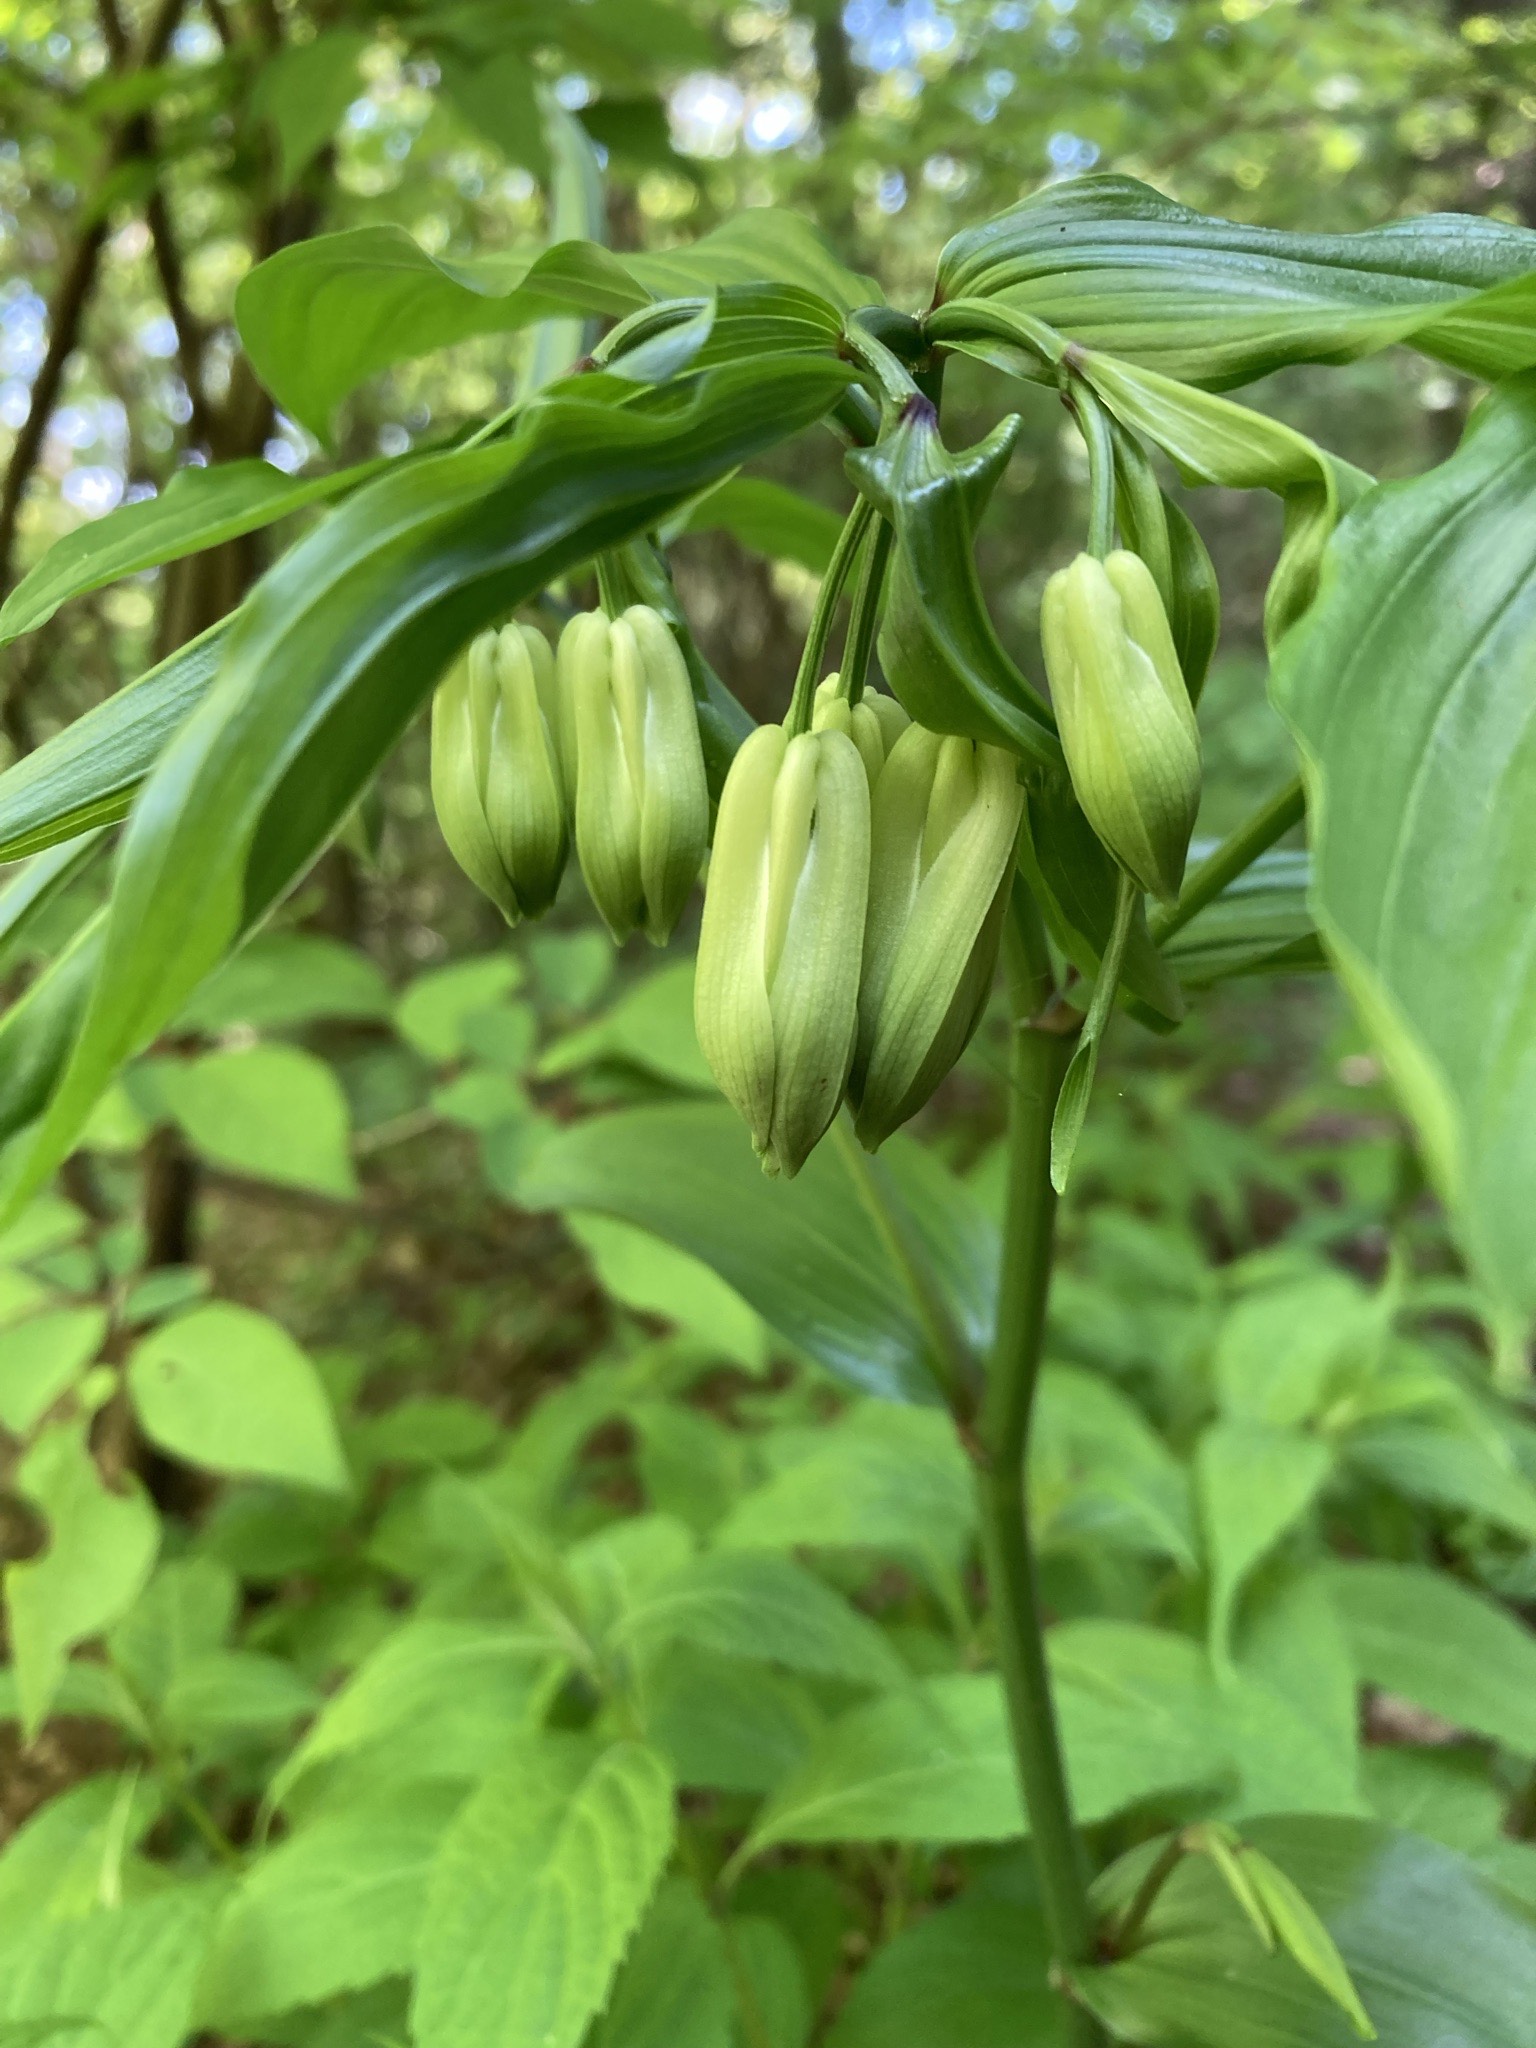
336	1132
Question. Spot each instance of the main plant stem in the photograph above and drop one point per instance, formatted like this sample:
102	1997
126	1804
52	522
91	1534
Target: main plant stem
1039	1060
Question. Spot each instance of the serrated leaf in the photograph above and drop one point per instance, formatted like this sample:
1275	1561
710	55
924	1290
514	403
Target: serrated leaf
431	1682
746	1604
227	1388
537	1889
124	1973
336	1906
675	1989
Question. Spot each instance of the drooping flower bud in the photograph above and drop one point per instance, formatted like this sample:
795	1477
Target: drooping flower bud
496	778
641	801
1127	726
945	821
776	993
873	724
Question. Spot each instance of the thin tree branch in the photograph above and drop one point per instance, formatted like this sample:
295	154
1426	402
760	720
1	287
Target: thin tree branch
224	28
191	341
113	32
64	320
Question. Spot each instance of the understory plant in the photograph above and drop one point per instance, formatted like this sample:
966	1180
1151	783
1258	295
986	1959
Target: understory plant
1206	1863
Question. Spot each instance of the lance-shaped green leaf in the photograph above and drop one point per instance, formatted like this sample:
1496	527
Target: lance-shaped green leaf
37	1032
87	774
197	509
26	900
321	317
938	646
1115	265
1214	441
339	644
1408	688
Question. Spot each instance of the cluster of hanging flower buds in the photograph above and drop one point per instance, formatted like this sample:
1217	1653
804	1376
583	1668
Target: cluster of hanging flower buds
851	919
598	745
860	870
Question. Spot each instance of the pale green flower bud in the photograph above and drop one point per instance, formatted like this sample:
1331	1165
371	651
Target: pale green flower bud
776	993
496	778
944	825
873	724
1127	727
641	801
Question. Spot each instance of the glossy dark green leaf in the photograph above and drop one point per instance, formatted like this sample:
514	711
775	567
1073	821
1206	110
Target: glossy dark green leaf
1408	688
1115	265
197	509
88	774
323	316
337	647
803	1253
1437	1955
938	646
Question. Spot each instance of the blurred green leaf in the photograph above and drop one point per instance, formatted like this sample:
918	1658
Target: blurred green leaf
1423	1635
334	1907
1427	1943
304	90
227	1388
273	1112
1403	686
101	1546
804	1254
198	508
976	1971
43	1356
562	1819
283	979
